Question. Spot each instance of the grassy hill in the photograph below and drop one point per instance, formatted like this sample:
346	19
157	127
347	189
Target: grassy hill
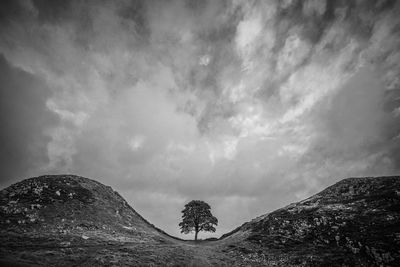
66	220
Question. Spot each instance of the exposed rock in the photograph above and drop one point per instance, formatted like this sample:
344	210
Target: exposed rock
354	222
51	203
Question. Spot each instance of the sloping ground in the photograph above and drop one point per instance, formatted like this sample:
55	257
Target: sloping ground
66	203
46	218
355	222
74	221
67	220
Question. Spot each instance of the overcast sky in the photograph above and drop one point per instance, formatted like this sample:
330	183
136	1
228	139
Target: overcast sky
246	105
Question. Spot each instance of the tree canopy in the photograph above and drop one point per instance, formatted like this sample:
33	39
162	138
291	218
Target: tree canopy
197	217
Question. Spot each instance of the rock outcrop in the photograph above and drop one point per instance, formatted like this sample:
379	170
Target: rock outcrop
69	204
355	222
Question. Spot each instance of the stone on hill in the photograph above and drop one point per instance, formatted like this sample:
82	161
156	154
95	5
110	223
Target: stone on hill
354	222
67	203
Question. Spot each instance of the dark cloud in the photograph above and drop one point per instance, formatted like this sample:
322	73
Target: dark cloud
10	10
354	125
136	11
25	123
54	11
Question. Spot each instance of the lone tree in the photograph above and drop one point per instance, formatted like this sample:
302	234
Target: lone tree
197	217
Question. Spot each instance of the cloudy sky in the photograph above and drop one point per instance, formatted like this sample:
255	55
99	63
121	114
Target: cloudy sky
246	105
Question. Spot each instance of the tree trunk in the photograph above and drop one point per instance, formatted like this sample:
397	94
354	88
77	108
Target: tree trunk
196	229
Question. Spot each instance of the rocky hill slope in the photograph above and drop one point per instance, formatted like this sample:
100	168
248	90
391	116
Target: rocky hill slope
355	222
67	204
67	212
66	220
